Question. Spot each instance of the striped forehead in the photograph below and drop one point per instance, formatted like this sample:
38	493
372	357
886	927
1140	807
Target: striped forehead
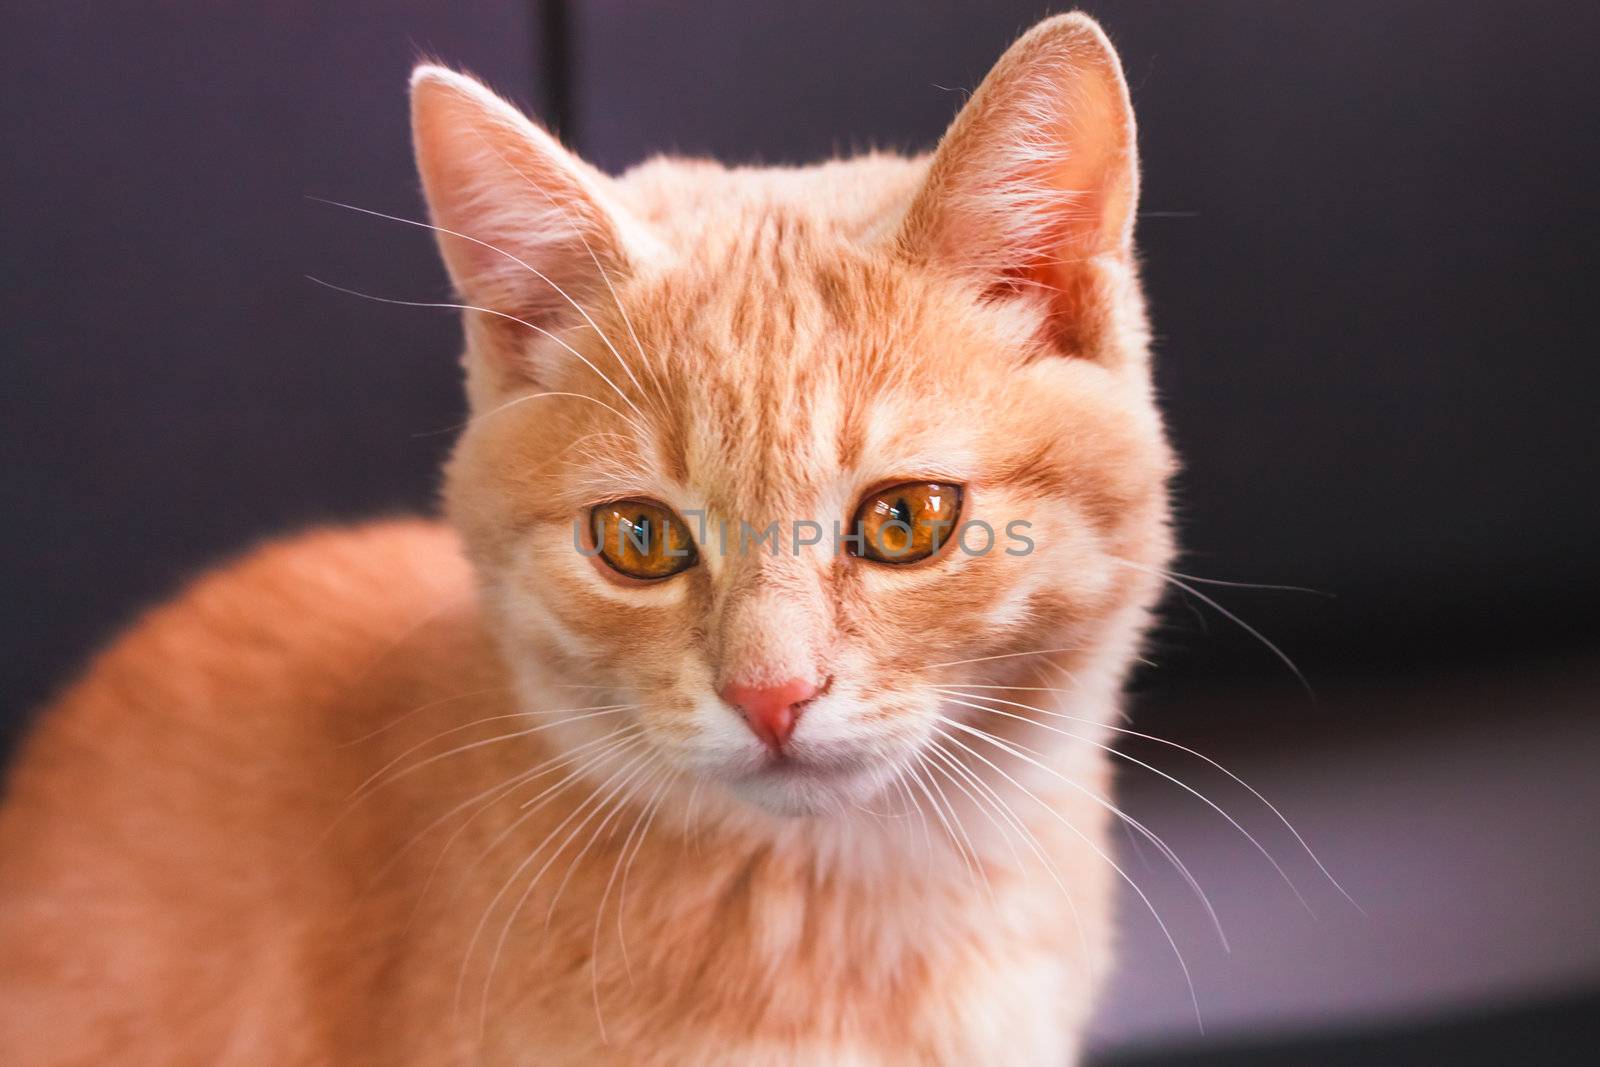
767	433
763	420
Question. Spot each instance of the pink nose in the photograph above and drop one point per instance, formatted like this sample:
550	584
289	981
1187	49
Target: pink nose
771	710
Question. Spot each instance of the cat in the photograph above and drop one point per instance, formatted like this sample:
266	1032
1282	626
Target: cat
746	709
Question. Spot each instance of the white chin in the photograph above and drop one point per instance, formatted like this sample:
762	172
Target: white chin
800	794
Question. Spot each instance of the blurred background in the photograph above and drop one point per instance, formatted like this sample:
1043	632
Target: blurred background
1369	231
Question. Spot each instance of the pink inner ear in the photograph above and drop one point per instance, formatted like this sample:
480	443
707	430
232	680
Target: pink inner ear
1037	178
1074	196
1083	220
1069	221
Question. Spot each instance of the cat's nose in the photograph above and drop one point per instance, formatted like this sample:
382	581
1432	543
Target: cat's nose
771	710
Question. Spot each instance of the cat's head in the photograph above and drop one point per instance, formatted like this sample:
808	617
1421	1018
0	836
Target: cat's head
715	374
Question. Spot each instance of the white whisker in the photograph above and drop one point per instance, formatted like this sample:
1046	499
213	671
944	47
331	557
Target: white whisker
608	742
1029	838
666	777
447	305
917	780
1004	655
534	804
1246	627
579	308
1257	794
1086	839
577	231
418	710
641	763
1138	763
1139	827
622	892
527	861
593	712
965	838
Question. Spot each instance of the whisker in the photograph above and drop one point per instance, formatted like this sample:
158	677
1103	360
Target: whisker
1252	790
657	770
647	809
591	454
353	801
966	839
627	320
622	892
447	305
691	824
579	308
1225	613
1005	832
1021	688
1028	838
506	786
534	804
1005	836
1167	852
418	710
1250	585
912	806
609	742
593	712
1138	763
1171	941
527	861
578	232
917	780
1004	655
647	759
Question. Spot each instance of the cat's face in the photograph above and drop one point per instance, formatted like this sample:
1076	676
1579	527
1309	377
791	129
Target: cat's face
693	496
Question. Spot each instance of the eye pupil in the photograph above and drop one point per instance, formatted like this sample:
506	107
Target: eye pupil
907	523
642	539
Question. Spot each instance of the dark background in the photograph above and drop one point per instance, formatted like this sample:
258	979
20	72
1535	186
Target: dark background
1369	232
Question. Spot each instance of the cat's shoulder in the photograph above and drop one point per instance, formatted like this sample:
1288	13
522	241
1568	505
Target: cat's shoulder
172	796
330	588
332	576
296	630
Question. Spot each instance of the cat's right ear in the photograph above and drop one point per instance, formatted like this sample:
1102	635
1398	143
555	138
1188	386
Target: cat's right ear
526	229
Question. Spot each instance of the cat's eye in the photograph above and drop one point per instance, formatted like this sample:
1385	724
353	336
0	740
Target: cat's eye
906	523
641	539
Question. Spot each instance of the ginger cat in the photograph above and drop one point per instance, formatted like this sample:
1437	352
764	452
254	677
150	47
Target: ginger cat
706	732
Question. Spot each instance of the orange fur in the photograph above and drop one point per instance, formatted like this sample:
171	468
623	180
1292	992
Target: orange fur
415	793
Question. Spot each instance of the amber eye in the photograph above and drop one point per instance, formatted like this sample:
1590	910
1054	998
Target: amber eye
641	539
906	523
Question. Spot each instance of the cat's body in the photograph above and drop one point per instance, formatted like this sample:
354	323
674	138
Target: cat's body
406	795
249	938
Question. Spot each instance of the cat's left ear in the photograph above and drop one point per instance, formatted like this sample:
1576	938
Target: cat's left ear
1033	188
